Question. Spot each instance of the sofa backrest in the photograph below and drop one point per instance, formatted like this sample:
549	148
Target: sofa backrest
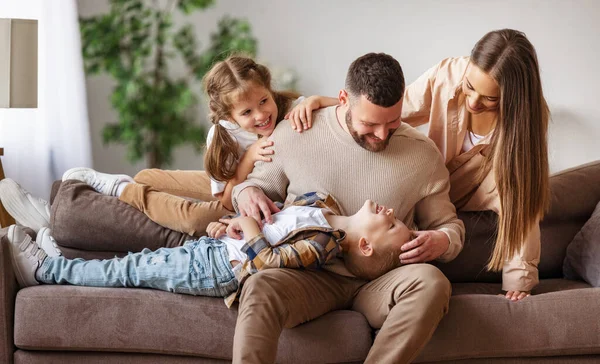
574	195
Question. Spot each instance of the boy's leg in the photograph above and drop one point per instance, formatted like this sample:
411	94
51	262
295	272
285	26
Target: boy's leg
172	211
193	184
407	304
199	268
274	299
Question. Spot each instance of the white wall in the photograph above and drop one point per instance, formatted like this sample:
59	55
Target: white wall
25	127
320	38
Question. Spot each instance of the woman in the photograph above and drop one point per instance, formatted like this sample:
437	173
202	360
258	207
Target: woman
488	117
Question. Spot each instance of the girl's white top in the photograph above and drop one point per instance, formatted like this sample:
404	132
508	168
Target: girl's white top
244	139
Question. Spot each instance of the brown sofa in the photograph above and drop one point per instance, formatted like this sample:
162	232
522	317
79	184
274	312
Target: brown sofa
560	323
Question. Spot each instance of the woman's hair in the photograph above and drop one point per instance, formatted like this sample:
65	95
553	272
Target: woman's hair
225	83
518	147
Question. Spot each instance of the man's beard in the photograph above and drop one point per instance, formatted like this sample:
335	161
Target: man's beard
362	139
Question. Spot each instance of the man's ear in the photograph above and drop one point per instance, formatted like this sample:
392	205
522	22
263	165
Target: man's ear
344	98
365	247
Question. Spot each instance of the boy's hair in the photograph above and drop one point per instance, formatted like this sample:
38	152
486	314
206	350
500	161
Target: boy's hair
378	76
385	257
224	84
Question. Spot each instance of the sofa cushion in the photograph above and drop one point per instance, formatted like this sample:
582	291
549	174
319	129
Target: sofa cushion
82	219
150	321
583	254
490	326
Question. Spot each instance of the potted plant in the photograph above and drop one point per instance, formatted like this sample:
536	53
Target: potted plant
133	43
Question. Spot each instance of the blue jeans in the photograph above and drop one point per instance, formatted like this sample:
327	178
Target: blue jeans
200	268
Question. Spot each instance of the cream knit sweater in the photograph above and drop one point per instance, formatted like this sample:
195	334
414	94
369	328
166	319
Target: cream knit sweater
408	176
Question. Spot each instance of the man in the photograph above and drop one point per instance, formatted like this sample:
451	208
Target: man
388	162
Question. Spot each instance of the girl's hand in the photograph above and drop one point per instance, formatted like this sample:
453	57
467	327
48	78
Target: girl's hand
259	152
216	229
517	295
301	115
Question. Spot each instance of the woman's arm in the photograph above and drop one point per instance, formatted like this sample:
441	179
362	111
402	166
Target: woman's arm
416	105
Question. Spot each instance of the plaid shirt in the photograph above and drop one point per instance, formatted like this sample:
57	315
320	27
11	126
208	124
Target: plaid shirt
309	247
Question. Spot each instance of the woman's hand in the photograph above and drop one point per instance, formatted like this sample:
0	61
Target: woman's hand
301	115
260	150
217	228
517	295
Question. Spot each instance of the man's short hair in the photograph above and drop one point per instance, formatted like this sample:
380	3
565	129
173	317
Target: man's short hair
378	76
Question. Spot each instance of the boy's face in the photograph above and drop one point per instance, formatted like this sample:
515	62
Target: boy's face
379	225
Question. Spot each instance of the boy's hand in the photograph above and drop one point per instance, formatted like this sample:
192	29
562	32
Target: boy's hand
517	295
242	224
301	115
217	228
428	245
259	152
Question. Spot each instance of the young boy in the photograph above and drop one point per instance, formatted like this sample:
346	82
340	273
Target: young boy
306	234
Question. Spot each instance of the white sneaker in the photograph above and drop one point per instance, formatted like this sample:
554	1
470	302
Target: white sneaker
27	210
25	254
46	242
104	183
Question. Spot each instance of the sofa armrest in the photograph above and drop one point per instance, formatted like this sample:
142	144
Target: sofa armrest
8	291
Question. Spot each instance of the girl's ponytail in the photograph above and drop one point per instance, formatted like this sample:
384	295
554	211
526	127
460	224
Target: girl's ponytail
220	159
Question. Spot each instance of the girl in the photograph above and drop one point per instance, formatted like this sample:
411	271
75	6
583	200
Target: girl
488	116
243	109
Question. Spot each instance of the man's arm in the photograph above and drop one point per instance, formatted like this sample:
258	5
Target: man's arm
443	233
311	252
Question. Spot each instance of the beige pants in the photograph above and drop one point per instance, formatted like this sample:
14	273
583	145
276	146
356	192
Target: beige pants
406	304
161	195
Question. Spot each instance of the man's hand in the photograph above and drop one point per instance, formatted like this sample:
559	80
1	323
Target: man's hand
252	201
428	245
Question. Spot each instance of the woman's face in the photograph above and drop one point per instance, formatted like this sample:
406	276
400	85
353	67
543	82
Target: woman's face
481	91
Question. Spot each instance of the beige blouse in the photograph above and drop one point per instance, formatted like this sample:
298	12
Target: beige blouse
437	98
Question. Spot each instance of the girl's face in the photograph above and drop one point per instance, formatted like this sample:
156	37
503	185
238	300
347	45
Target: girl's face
481	91
255	111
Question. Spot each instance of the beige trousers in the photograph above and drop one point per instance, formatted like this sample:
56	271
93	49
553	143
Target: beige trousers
406	304
164	197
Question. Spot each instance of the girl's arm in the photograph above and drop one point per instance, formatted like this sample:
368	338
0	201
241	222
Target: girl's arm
301	115
257	152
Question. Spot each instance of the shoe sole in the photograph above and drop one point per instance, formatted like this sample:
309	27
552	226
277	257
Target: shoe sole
67	175
13	203
13	259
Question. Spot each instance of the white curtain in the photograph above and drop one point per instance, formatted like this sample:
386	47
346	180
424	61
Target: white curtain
40	144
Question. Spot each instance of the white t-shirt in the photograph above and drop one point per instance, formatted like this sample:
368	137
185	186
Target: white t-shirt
243	138
291	218
471	140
